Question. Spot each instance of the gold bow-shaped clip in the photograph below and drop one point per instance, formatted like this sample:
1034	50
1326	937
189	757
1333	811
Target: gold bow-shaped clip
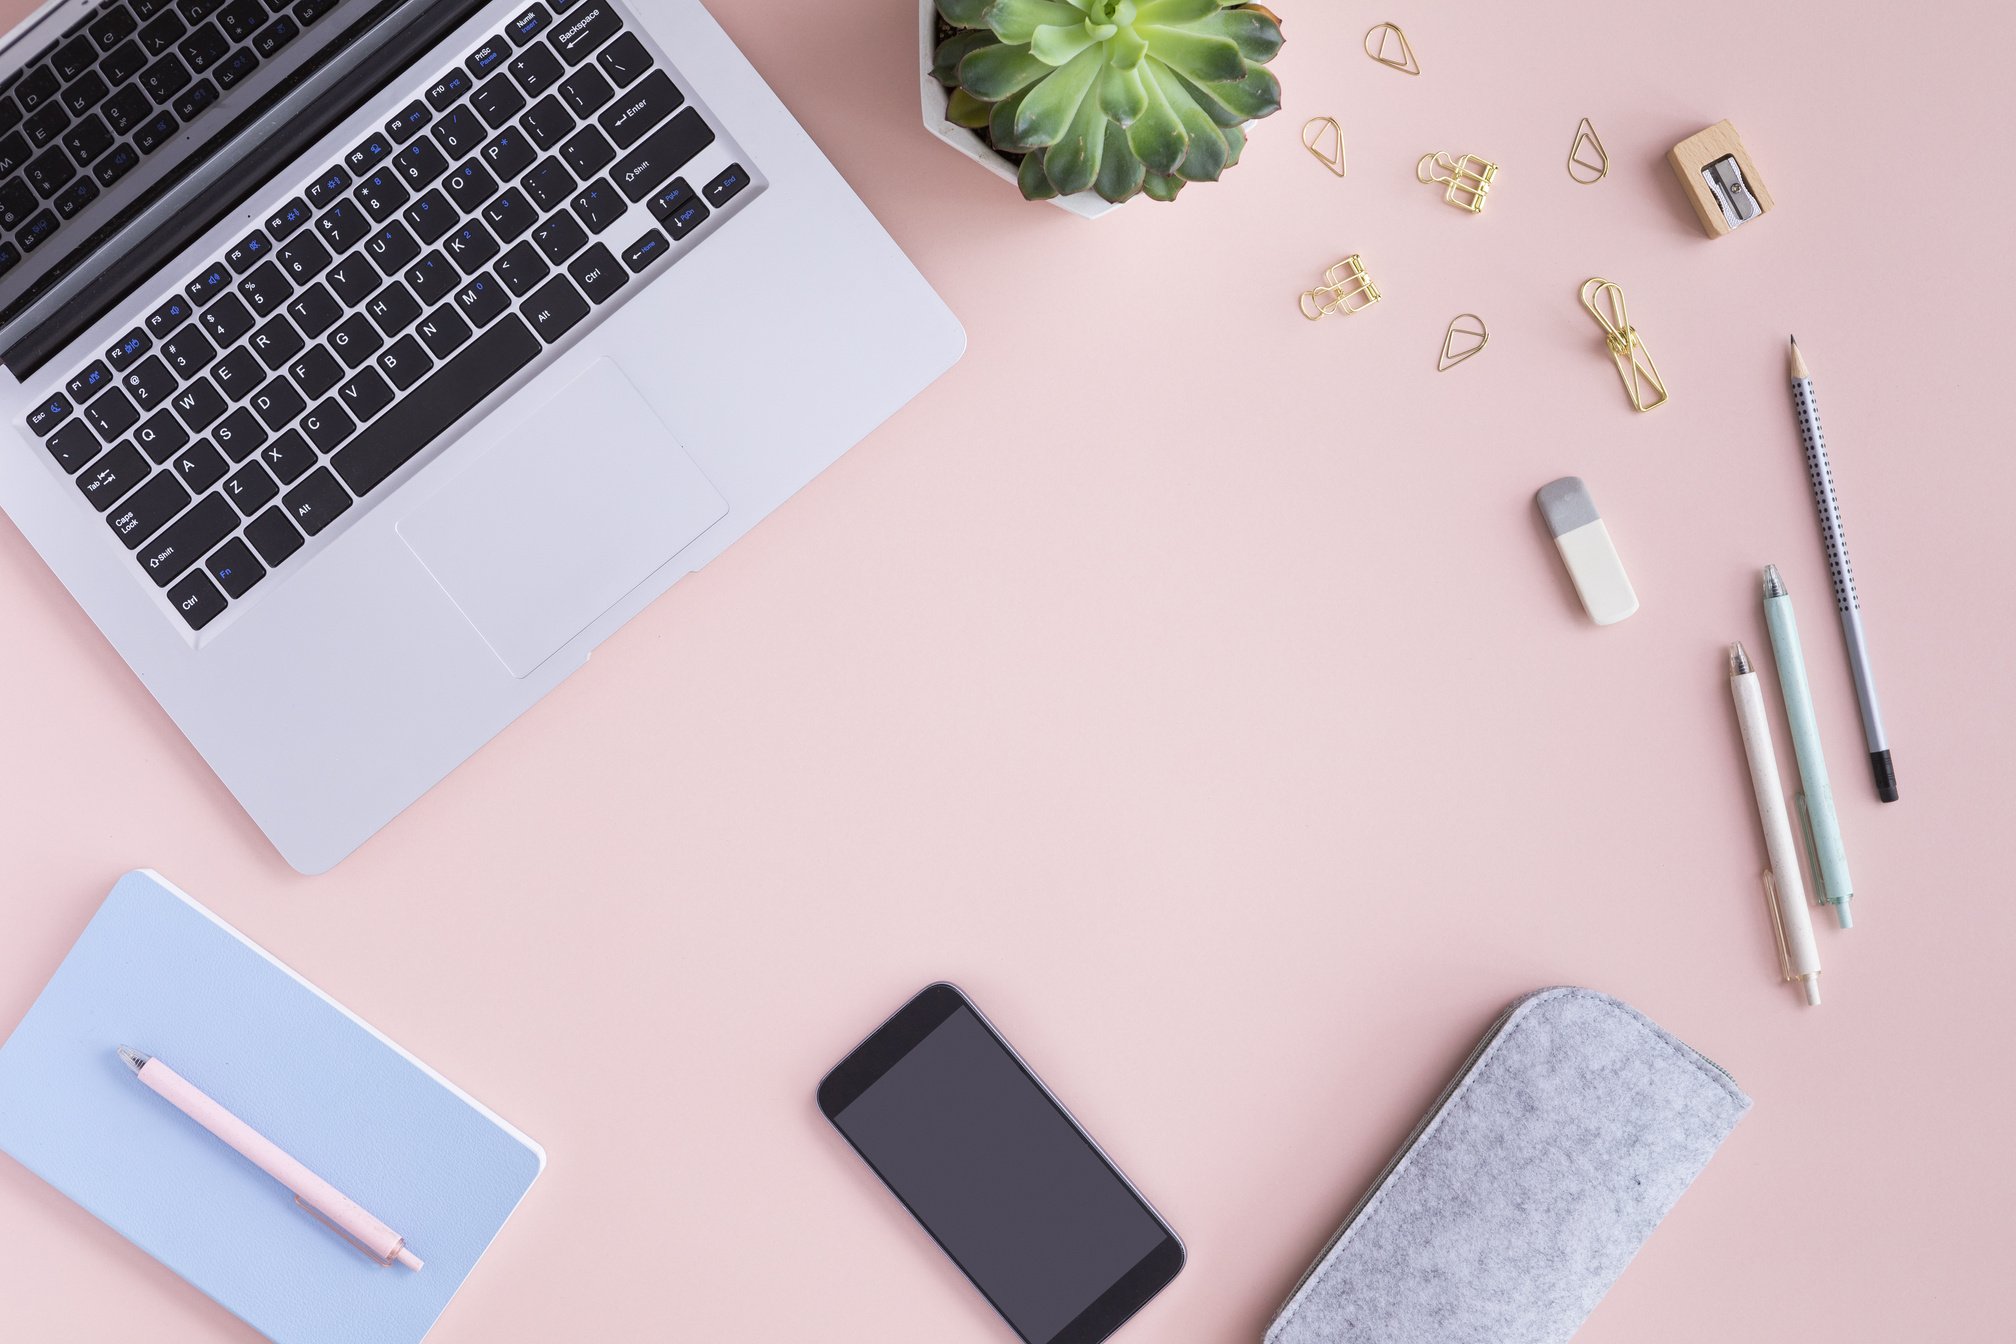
1468	178
1345	289
1634	361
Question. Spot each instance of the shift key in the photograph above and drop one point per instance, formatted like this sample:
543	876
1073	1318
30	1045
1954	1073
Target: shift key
664	152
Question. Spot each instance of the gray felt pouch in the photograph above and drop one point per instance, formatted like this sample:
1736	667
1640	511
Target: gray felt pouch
1531	1182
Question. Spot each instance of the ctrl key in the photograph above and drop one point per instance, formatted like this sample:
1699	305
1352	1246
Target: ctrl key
196	600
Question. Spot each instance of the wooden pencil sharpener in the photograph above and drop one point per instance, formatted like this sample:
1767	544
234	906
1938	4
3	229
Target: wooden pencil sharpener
1720	179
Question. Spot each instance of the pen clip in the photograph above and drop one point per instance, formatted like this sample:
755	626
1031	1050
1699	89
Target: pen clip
1777	926
384	1262
1821	896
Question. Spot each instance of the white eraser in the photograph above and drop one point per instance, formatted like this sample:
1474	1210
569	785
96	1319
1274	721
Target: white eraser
1584	543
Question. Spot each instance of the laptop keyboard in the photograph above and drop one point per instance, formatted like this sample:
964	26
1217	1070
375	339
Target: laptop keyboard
293	374
118	85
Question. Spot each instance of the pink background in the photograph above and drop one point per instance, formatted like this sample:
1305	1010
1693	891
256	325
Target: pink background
1196	686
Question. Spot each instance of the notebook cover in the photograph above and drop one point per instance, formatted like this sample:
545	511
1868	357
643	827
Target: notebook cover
156	971
1528	1189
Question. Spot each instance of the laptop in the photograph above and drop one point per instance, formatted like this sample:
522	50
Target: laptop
369	362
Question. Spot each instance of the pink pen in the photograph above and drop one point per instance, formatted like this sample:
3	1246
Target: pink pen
311	1192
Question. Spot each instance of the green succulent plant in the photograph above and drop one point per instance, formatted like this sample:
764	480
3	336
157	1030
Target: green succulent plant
1116	96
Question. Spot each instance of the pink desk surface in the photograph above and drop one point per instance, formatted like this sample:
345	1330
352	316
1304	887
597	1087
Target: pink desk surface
1195	685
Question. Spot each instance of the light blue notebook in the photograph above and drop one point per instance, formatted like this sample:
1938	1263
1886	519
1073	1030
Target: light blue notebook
156	971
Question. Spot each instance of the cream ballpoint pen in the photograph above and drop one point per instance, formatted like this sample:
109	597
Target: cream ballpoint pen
313	1193
1784	889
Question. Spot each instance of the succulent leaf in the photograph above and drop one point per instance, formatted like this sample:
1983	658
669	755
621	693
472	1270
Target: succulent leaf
1235	143
1240	100
1120	169
1157	134
1035	183
992	73
1161	188
1016	21
1046	114
963	109
954	49
1254	31
1122	95
1204	59
1180	12
1208	151
964	13
1073	162
1125	49
1001	124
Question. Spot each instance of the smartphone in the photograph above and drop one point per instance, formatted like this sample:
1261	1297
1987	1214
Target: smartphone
962	1130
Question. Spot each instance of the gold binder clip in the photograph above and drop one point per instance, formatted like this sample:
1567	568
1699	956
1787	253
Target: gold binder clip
1634	361
1345	289
1587	143
1469	178
1478	335
1324	138
1402	58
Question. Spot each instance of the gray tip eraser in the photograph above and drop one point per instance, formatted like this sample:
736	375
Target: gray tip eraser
1586	550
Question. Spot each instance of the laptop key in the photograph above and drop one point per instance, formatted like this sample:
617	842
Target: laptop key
248	252
315	309
160	435
547	122
497	101
194	99
549	184
325	189
199	405
235	67
150	380
50	170
227	319
166	78
646	250
308	11
316	502
274	36
276	342
241	19
107	480
450	87
420	163
597	273
278	404
114	26
112	414
316	371
560	237
576	38
528	25
686	218
235	568
443	331
204	47
237	373
162	34
199	466
404	362
521	268
156	133
36	231
625	59
147	510
381	194
510	215
408	122
430	216
630	117
214	281
470	185
471	246
251	488
586	91
126	108
598	205
327	425
366	394
239	434
555	309
488	57
391	248
449	393
393	308
288	457
537	71
167	317
72	446
122	160
288	218
587	153
273	536
662	153
48	415
431	278
75	197
482	299
510	154
355	339
93	379
197	600
353	279
265	288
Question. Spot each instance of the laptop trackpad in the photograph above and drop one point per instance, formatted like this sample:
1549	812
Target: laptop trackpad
562	517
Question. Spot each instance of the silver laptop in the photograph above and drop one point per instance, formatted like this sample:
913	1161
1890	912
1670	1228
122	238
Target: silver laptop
369	362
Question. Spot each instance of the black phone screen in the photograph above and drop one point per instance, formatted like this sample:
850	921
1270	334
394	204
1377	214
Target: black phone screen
1005	1181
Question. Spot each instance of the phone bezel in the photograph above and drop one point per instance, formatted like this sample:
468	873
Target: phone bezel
886	1046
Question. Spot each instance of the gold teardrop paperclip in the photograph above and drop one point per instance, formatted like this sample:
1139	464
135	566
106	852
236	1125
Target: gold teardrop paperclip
1634	361
1469	178
1313	135
1585	134
1345	289
1405	63
1451	356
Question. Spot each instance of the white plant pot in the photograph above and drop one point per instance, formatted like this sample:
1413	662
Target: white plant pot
1084	204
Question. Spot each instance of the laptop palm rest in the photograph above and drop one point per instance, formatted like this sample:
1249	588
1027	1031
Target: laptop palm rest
563	516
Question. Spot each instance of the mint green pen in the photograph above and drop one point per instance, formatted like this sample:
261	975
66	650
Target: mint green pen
1817	821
